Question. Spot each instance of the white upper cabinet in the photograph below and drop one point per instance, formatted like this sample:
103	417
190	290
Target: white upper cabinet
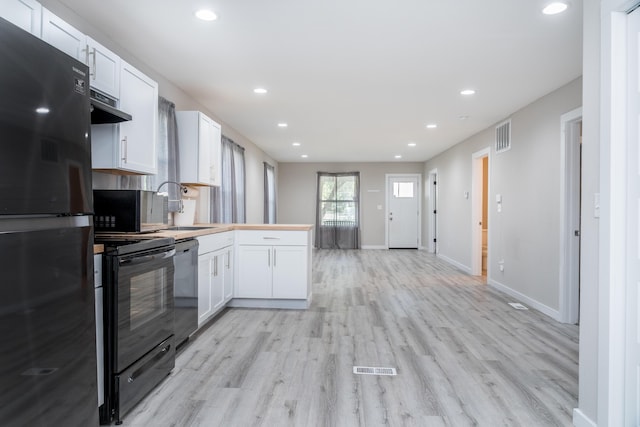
199	138
129	147
26	14
104	68
104	65
63	36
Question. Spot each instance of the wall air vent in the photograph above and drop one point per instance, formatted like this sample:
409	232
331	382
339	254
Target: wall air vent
503	136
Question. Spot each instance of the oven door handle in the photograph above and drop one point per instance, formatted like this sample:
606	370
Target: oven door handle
148	258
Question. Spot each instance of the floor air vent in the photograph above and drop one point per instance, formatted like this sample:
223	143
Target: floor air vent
366	370
518	306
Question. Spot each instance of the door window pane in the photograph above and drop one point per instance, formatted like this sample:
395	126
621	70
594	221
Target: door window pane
403	189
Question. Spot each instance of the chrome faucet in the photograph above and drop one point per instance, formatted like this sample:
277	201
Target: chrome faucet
182	187
183	190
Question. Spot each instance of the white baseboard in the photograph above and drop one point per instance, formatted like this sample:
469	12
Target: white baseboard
554	314
291	304
581	420
455	263
373	247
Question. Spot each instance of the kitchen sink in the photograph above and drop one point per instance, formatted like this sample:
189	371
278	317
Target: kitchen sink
188	227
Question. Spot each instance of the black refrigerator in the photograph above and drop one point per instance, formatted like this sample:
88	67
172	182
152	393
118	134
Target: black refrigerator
47	320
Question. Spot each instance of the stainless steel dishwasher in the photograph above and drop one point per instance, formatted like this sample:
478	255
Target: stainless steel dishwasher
185	289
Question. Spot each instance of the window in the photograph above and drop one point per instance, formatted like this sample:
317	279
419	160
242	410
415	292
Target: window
338	210
403	190
269	194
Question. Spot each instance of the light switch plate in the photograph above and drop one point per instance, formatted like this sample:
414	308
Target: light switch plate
596	205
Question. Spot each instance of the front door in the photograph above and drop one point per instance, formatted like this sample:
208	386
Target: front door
403	214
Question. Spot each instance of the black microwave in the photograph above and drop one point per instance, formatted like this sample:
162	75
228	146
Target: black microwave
130	211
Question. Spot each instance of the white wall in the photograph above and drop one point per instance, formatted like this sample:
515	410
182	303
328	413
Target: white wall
526	233
297	193
589	269
254	156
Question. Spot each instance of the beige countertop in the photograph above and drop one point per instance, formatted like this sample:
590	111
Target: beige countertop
188	232
220	228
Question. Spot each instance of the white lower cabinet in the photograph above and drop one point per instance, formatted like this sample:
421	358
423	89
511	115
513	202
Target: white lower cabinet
273	266
290	271
254	272
272	272
228	277
215	274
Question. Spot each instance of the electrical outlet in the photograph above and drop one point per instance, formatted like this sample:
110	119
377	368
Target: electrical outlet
501	265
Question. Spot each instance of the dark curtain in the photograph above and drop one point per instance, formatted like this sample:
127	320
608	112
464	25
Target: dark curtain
338	211
228	201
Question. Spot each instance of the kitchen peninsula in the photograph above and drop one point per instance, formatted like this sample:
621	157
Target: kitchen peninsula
248	265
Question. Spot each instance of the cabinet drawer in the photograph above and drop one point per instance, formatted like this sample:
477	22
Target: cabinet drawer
276	237
213	242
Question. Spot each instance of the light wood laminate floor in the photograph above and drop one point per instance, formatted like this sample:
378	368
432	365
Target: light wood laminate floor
464	357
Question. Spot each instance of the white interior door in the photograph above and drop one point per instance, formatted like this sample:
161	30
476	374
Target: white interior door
433	211
403	211
632	386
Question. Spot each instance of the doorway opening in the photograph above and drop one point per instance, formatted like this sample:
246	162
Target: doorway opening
480	213
571	195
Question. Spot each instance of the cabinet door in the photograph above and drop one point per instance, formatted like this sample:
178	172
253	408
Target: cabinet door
138	97
254	272
290	278
228	274
204	149
204	288
26	14
215	161
63	36
104	68
217	281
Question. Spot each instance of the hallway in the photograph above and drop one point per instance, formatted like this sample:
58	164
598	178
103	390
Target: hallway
463	355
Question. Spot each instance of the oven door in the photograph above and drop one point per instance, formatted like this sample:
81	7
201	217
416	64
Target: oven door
144	308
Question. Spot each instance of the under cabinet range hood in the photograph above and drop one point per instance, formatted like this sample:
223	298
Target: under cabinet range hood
103	110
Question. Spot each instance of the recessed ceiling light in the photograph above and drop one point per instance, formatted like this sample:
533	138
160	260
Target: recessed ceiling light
467	92
260	90
555	8
42	110
411	144
296	144
304	156
432	126
398	156
282	125
206	15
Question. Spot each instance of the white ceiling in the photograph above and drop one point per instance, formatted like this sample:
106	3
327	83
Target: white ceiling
356	80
